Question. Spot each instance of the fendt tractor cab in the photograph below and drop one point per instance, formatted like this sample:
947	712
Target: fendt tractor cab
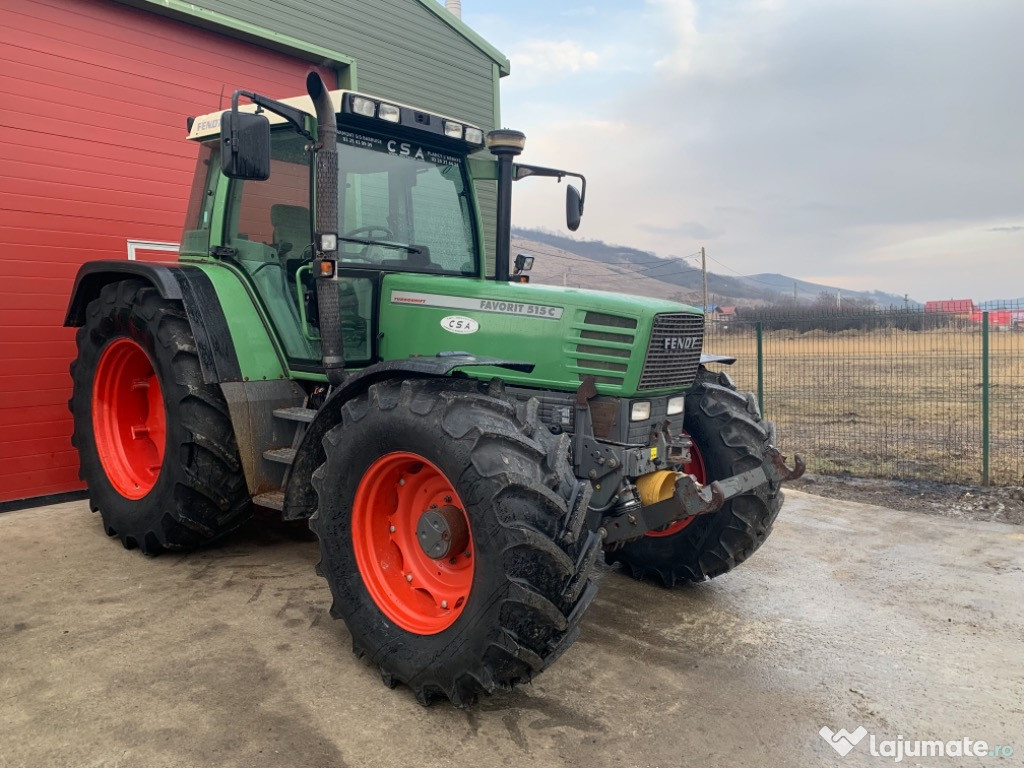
465	444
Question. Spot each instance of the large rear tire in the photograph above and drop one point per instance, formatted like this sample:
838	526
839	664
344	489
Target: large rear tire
730	437
155	443
506	599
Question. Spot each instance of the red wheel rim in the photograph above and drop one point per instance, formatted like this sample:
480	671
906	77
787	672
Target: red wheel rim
128	418
419	593
694	467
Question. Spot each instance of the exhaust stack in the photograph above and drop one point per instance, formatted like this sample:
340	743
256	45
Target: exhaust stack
332	345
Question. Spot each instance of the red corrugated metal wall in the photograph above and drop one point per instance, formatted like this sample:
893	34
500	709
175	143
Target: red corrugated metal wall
93	101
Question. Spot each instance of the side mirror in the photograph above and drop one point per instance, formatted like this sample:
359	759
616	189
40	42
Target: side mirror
573	208
245	146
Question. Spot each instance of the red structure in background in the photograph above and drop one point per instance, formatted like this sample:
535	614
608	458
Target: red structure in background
93	155
952	307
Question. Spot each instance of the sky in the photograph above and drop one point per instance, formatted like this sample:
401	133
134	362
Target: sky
866	144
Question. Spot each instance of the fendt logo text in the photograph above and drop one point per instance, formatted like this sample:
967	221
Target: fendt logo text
681	343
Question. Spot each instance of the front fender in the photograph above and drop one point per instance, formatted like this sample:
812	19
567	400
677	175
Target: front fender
300	500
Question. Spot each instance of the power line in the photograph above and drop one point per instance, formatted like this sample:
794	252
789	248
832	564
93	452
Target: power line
745	277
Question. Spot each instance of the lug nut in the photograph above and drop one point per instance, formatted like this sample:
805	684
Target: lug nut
444	603
401	481
391	529
408	577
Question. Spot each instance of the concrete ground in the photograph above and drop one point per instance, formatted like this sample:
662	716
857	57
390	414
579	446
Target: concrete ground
851	615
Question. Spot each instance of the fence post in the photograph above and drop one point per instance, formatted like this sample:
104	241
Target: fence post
760	366
984	400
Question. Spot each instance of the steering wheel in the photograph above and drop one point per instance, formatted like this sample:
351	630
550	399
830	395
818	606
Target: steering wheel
368	232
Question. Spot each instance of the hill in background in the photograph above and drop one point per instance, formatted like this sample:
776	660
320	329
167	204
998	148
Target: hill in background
603	266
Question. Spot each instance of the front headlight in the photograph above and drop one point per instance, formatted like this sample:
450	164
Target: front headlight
676	404
641	410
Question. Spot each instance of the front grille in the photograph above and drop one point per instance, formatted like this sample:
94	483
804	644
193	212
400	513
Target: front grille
673	353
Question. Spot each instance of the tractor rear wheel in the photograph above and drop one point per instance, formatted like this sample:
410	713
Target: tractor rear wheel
155	443
729	437
451	535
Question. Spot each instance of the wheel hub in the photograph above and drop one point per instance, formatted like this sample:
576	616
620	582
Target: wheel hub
442	531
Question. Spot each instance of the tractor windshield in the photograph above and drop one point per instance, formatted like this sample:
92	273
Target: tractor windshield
403	206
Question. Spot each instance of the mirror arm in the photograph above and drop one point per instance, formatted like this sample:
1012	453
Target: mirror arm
523	171
295	117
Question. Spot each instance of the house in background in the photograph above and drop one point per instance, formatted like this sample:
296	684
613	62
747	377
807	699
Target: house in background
964	307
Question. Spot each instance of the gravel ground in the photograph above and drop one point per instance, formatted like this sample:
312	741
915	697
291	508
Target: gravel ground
850	616
960	502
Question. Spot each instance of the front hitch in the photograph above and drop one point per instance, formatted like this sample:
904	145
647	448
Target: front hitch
779	462
691	498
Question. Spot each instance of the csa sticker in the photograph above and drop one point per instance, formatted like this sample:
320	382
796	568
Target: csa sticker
460	324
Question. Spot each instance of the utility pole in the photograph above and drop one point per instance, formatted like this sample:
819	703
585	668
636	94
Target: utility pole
906	302
704	274
839	299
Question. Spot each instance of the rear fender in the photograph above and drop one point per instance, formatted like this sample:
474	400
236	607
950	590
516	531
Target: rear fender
237	349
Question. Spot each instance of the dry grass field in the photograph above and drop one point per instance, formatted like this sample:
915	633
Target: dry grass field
889	403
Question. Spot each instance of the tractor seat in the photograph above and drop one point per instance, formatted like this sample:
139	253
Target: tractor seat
291	225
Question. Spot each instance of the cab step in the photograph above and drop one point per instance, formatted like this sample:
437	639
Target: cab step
270	500
280	455
304	415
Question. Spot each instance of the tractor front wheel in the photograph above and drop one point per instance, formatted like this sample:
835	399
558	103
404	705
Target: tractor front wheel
729	437
451	535
155	443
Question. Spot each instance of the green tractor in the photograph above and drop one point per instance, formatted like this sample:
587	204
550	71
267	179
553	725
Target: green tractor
465	445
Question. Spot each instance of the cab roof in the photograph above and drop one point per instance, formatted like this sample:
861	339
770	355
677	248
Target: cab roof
208	125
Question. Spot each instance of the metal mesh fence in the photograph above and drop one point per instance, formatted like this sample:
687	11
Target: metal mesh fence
888	393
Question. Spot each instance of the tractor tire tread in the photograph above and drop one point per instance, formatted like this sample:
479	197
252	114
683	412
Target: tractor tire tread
540	577
208	497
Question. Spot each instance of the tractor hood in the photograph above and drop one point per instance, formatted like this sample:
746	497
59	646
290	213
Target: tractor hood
631	345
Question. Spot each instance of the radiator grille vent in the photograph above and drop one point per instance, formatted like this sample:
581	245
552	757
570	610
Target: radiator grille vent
674	351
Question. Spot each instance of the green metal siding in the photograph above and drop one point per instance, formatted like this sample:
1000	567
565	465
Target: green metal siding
402	50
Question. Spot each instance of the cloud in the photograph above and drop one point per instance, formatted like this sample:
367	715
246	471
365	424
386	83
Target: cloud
679	20
692	230
872	140
546	58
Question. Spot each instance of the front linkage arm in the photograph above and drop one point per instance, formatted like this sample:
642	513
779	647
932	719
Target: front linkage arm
691	498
